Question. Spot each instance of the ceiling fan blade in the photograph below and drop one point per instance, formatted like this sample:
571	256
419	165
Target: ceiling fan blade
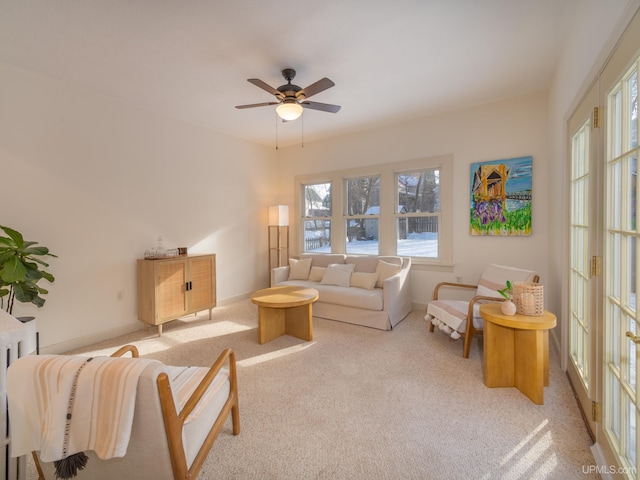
320	86
324	107
257	105
266	87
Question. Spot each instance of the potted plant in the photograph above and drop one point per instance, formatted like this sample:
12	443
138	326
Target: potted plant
21	268
507	307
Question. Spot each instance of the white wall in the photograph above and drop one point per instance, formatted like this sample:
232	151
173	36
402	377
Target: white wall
502	130
97	181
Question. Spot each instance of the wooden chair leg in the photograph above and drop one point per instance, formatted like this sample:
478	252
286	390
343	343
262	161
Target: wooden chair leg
467	346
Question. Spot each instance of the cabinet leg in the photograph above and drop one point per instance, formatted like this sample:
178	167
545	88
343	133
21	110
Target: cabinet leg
160	330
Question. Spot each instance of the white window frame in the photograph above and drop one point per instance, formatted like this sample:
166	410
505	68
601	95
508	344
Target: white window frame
387	222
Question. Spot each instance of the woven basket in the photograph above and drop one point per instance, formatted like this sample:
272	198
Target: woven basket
529	298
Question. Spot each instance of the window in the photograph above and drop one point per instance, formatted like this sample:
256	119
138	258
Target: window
363	209
317	217
418	213
401	208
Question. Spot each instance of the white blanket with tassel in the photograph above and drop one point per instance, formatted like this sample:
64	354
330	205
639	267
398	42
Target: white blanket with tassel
61	405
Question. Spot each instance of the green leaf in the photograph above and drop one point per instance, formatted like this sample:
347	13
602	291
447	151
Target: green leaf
14	235
13	270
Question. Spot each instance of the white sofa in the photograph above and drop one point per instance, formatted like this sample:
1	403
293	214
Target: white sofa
374	291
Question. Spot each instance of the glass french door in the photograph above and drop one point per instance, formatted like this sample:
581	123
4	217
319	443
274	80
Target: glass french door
621	394
603	321
584	281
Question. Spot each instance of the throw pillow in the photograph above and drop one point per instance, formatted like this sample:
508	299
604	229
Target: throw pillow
316	274
339	275
384	271
299	269
364	280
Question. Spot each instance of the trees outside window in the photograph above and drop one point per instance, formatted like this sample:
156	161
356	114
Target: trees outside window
317	217
418	213
363	210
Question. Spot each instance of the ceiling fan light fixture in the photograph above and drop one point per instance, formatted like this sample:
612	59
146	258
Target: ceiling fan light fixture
289	111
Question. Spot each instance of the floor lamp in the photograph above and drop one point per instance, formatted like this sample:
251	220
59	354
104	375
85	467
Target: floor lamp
278	236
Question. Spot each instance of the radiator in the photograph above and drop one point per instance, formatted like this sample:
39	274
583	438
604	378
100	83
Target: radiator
14	343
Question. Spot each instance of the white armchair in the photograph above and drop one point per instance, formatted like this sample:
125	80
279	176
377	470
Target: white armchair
178	414
462	317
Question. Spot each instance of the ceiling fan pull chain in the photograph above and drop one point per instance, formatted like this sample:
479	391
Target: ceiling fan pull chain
302	129
276	117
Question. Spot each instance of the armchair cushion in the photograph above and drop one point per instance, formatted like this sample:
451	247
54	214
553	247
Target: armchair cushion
459	317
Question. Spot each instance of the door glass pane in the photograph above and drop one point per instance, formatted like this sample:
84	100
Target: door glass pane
614	346
630	274
632	182
630	365
580	251
615	119
632	440
632	109
615	413
615	172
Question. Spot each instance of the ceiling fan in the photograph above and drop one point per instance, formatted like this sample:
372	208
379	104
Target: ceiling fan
291	98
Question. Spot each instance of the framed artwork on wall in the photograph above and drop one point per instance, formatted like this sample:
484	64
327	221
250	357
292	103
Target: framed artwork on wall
501	197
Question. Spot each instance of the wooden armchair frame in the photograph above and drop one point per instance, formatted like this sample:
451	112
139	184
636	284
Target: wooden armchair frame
470	329
174	421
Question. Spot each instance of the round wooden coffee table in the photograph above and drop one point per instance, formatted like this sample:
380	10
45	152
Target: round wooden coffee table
284	310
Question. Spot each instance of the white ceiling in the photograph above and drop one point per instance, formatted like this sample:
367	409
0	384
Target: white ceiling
391	60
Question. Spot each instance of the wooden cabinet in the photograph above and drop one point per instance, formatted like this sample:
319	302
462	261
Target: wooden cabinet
169	288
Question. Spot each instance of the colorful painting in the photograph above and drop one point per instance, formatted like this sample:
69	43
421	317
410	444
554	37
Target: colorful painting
501	197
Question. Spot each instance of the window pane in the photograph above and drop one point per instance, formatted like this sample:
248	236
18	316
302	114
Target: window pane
419	192
363	196
362	236
633	111
317	236
615	120
317	200
632	175
418	236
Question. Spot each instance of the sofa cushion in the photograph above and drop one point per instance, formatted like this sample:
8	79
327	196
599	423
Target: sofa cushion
316	274
384	271
348	297
337	274
299	269
364	280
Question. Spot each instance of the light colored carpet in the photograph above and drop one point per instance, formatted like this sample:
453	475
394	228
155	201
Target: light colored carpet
359	403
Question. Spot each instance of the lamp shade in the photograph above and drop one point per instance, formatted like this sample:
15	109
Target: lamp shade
289	111
279	215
